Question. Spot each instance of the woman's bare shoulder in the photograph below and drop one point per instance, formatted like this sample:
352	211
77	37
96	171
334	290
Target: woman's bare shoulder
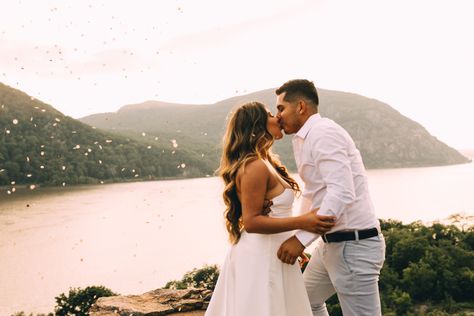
255	168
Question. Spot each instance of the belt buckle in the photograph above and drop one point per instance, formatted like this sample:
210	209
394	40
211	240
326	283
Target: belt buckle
324	238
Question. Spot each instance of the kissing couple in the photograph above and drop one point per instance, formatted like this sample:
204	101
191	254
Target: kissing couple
259	276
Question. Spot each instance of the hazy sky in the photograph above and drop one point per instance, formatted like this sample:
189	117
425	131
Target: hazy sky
84	57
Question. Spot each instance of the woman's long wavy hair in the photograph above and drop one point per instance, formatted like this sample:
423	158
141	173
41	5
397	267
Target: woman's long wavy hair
246	139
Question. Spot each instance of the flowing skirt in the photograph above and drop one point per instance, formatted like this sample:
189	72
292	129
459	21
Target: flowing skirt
254	282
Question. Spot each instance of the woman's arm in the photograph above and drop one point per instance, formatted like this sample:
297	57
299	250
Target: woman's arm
253	183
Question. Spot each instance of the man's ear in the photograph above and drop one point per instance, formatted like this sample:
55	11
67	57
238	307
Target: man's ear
302	107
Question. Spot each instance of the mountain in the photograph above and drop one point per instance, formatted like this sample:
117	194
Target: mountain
468	153
40	145
385	138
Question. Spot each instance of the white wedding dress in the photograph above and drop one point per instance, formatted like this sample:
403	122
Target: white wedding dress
254	282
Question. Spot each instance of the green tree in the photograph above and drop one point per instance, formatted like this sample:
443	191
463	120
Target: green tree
79	301
400	302
205	277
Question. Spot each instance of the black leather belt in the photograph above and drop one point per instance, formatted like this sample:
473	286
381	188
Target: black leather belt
353	235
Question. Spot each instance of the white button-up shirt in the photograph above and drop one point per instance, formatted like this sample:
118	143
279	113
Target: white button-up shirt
334	176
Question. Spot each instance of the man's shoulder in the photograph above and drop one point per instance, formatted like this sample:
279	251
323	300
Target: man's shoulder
326	125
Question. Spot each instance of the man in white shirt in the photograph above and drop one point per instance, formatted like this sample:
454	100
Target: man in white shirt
347	260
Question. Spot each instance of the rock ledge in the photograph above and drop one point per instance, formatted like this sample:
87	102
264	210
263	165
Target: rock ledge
157	302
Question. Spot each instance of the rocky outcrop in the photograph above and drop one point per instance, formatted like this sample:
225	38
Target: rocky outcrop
189	302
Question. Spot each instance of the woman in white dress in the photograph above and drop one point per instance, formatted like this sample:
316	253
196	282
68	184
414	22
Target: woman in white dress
253	281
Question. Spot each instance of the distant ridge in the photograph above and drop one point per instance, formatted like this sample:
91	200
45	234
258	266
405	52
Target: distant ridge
468	153
41	146
385	138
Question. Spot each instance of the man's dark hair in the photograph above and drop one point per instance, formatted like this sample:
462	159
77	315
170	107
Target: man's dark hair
299	89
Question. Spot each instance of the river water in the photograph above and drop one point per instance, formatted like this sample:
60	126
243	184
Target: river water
134	237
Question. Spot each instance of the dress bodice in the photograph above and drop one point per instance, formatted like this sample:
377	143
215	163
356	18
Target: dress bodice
282	204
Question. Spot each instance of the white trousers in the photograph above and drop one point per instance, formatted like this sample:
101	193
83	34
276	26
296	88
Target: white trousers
349	268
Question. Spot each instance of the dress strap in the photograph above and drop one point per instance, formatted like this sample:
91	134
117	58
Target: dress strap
276	174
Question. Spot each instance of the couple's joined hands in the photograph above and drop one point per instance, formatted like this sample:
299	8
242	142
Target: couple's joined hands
292	248
311	221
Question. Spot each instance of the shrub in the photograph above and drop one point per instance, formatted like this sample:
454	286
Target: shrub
205	277
79	301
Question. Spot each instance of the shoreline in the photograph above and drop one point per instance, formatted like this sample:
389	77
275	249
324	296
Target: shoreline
23	186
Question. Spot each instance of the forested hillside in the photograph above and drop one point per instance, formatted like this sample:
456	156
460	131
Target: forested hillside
385	138
40	145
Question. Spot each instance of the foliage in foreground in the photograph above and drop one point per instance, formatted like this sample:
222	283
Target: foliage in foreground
205	277
79	301
428	270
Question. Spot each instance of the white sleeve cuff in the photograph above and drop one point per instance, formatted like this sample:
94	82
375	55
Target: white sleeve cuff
305	237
